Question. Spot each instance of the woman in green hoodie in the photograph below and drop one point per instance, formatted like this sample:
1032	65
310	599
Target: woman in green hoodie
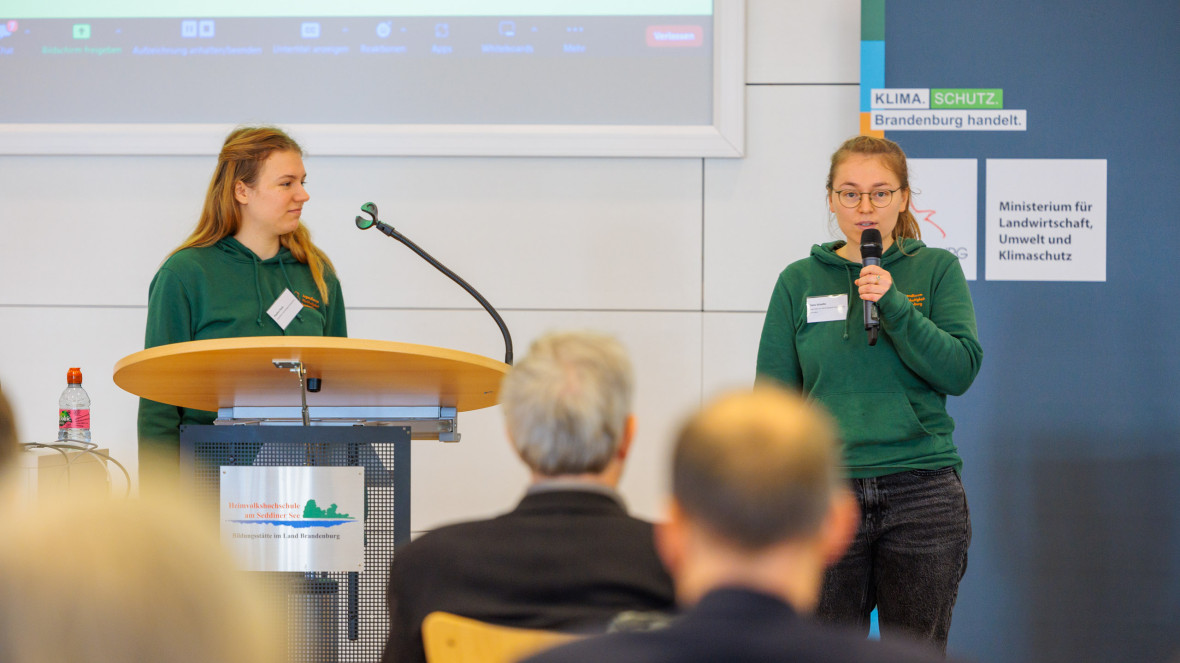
249	251
889	398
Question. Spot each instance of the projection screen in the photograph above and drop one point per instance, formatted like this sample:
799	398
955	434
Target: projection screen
376	77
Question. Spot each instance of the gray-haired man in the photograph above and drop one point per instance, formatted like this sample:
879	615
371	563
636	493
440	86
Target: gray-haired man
568	557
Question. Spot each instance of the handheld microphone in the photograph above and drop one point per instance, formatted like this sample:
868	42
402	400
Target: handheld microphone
390	231
870	254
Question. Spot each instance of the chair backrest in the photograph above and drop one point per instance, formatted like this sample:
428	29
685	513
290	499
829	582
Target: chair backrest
450	638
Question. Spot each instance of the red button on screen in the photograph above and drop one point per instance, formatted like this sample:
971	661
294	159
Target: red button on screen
671	36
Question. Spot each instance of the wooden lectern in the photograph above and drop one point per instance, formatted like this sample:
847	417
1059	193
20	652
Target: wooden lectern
318	401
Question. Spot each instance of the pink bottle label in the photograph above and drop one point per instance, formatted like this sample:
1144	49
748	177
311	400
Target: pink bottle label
73	419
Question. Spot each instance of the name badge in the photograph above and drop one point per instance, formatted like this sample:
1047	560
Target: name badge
827	308
285	308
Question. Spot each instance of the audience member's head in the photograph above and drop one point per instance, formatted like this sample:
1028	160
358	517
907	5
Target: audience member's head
112	581
758	512
756	485
8	445
568	405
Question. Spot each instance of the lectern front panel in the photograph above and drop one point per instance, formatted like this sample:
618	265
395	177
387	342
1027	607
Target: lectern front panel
330	616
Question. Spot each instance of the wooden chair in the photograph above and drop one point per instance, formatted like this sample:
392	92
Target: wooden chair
450	638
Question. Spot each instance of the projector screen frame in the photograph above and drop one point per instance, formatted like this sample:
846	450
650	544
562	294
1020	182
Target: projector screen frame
725	137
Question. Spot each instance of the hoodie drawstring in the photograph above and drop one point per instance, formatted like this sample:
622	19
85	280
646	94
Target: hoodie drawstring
290	287
257	288
852	297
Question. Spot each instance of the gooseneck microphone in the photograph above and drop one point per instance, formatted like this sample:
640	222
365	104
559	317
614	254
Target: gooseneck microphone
870	254
365	224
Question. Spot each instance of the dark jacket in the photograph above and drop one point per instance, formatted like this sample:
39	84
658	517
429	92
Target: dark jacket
739	625
565	560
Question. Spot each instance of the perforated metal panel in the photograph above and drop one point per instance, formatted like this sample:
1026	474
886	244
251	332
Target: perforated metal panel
329	616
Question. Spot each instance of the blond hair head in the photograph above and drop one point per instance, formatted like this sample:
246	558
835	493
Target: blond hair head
113	581
241	158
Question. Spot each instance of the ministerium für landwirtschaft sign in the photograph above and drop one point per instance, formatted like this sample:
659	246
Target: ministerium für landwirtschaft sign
294	518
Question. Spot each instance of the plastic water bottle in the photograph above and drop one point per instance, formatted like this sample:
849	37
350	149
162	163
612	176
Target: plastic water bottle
73	421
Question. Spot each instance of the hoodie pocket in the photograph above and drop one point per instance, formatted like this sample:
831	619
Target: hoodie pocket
877	417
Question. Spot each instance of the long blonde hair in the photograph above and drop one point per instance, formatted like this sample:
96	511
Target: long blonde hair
894	159
240	160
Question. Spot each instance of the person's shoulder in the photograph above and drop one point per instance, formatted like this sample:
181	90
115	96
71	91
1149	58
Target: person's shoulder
820	256
189	259
799	269
448	537
822	264
917	255
330	274
182	267
910	250
431	552
445	533
579	504
934	254
801	265
636	523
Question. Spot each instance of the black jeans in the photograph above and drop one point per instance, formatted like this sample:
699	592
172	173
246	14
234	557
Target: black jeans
907	559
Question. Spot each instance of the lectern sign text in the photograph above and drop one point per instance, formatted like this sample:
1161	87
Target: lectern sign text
294	518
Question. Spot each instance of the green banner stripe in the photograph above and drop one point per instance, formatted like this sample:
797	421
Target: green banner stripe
872	20
992	98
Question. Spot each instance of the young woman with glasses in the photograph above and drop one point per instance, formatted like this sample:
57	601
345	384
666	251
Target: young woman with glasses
889	398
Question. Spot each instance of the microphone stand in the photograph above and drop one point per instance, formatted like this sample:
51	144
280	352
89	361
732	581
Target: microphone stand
364	224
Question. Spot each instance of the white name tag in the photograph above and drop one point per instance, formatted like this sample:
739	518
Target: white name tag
827	308
285	308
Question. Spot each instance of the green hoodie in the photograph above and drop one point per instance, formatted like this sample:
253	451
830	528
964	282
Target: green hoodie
889	399
224	291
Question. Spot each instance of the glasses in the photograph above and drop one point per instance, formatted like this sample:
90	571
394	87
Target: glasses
878	197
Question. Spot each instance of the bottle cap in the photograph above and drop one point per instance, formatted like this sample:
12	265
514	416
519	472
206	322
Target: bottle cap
74	376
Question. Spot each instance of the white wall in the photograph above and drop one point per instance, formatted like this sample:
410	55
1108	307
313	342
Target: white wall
675	256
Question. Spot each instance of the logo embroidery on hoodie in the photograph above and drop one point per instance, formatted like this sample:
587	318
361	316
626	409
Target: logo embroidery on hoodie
917	300
308	300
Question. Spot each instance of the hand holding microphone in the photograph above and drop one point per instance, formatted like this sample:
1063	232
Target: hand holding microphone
873	282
